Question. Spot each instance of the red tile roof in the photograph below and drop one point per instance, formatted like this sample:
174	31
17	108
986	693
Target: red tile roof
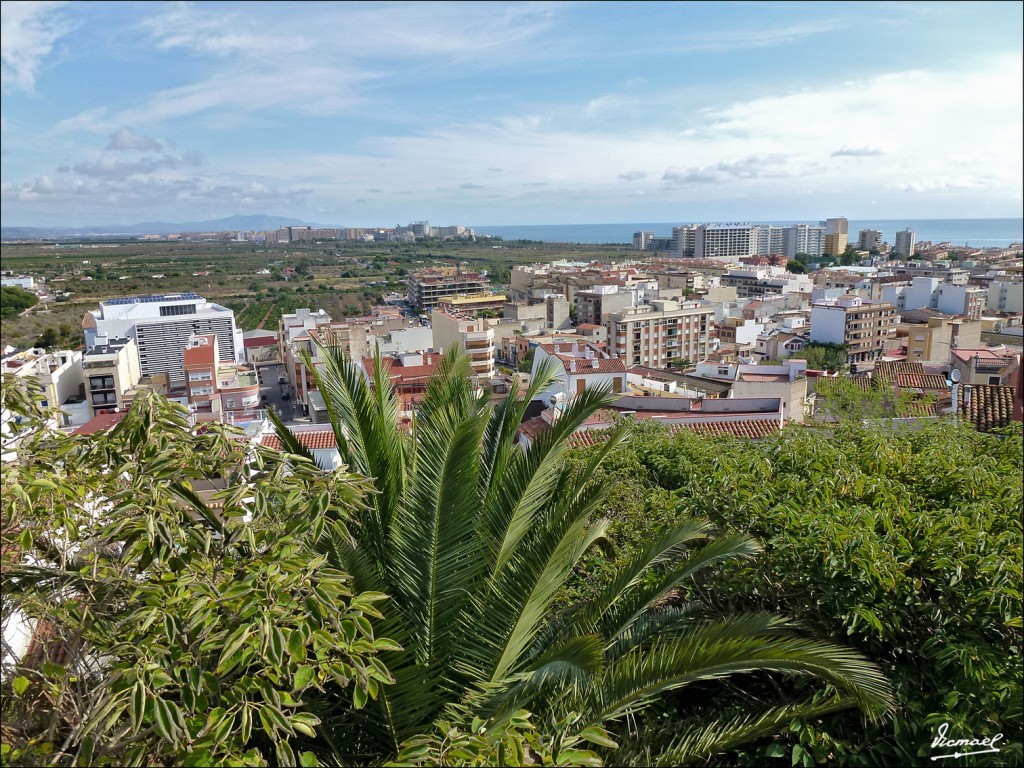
100	423
931	381
313	440
990	406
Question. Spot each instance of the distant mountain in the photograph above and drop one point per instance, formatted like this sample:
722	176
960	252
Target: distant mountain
257	222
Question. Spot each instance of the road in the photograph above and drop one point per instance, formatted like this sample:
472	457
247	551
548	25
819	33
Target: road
271	390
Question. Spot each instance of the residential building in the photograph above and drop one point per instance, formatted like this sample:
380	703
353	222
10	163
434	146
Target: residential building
598	303
111	369
428	286
162	326
642	239
996	367
578	367
934	293
725	240
550	312
472	335
803	238
656	333
217	391
866	327
684	241
492	303
59	378
765	281
930	335
787	381
836	238
904	245
1005	295
869	240
409	375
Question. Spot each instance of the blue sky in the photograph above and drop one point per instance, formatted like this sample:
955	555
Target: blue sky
374	114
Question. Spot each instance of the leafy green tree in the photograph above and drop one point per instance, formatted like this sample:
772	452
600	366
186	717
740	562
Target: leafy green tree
906	543
825	357
173	628
796	267
14	299
474	538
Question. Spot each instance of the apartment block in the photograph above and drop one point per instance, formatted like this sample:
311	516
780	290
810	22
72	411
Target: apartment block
866	327
474	305
1005	295
719	240
930	335
869	240
656	333
217	391
59	378
472	335
111	369
596	304
427	287
755	283
904	245
161	326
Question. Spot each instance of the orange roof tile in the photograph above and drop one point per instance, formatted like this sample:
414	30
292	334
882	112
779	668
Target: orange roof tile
313	440
990	406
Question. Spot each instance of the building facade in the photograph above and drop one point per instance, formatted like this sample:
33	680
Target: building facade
654	334
161	326
866	327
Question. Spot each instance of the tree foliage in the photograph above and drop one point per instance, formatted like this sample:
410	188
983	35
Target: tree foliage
823	357
905	543
14	299
173	628
474	538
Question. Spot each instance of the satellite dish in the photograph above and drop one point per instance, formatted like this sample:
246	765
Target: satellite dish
954	376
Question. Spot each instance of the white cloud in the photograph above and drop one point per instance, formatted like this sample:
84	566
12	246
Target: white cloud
126	140
28	32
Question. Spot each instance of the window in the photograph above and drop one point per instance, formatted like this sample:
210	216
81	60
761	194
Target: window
200	376
169	310
101	382
104	398
202	390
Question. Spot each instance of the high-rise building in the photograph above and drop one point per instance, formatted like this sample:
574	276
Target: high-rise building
684	241
732	240
904	243
837	234
869	240
803	238
642	239
161	326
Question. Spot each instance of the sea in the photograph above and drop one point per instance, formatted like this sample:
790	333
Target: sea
980	233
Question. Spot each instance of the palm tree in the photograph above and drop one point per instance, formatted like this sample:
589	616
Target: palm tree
473	537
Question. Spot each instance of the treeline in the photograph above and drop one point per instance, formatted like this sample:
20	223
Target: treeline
13	300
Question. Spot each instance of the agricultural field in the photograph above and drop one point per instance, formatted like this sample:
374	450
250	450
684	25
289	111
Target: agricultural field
343	278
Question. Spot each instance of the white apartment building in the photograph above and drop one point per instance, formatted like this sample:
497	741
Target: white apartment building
684	241
904	243
58	375
111	368
933	293
1006	294
655	333
161	326
721	240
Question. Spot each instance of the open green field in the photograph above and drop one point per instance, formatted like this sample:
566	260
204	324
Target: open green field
343	278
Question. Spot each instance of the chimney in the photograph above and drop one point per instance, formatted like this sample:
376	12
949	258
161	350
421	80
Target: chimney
572	366
595	363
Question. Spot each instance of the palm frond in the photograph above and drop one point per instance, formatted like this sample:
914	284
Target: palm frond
697	745
739	644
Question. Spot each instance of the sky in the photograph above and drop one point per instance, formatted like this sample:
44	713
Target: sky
377	114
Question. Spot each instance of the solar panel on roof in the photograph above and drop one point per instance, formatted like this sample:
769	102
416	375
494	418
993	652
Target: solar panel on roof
154	298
